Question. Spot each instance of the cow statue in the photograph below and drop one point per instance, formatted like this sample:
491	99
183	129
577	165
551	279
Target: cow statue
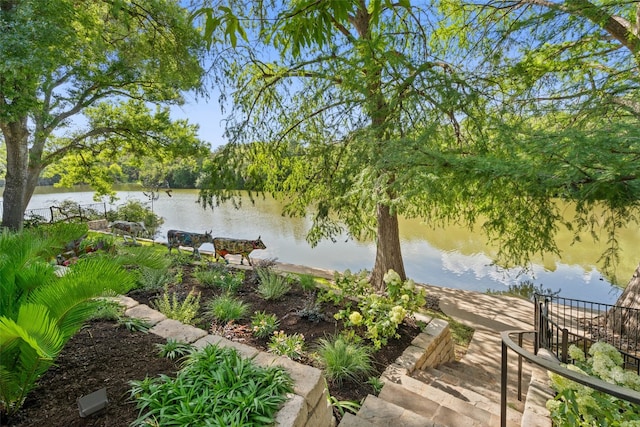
127	228
177	238
224	246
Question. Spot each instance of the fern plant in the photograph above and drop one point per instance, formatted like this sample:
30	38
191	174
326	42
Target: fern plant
41	310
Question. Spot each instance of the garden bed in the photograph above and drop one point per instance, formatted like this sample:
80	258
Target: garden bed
104	354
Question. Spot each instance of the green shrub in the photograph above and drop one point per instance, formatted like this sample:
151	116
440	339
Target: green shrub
136	257
180	258
263	324
307	282
291	346
525	290
272	285
184	311
107	309
379	313
136	211
579	405
98	242
220	278
344	359
40	310
216	387
225	308
152	278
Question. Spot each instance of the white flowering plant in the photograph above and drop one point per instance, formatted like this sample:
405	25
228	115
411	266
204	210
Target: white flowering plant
579	405
377	314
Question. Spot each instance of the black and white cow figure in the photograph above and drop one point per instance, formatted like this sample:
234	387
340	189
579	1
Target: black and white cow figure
127	228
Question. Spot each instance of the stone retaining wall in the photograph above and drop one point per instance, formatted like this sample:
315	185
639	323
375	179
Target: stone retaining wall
308	406
432	347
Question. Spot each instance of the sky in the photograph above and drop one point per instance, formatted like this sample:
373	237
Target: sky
207	114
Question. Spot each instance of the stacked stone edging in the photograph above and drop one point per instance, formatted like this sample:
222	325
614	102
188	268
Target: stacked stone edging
308	405
432	347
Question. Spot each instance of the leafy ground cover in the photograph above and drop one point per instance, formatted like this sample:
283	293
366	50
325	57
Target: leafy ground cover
106	354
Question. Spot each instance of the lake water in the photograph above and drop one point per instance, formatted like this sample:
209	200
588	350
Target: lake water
451	256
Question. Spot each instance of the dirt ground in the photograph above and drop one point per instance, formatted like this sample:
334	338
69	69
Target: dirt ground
104	354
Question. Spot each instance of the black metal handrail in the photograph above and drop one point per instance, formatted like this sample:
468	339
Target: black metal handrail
595	383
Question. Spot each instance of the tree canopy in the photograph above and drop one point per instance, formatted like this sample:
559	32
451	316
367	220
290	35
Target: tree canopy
483	112
329	89
77	82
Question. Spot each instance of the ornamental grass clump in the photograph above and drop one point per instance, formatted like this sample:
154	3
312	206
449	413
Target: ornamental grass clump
343	358
579	405
226	308
216	386
272	285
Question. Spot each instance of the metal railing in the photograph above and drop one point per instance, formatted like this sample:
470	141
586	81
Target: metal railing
53	214
554	366
561	322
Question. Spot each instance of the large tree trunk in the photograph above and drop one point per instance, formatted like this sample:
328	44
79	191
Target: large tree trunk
16	139
627	321
388	253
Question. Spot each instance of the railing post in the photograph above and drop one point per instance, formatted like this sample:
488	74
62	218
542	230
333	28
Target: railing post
503	387
536	318
520	370
565	345
545	339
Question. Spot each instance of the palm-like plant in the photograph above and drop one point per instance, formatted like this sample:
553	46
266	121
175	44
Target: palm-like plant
40	310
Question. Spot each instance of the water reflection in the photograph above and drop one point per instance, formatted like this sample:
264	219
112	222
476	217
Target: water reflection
449	256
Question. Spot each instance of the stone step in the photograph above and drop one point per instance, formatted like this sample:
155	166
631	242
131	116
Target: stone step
379	412
443	380
477	375
351	420
438	406
450	395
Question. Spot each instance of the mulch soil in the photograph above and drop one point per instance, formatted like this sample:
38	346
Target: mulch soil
106	354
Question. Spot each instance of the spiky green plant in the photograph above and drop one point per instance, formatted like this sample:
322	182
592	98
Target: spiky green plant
344	359
216	386
272	285
173	349
41	310
225	308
